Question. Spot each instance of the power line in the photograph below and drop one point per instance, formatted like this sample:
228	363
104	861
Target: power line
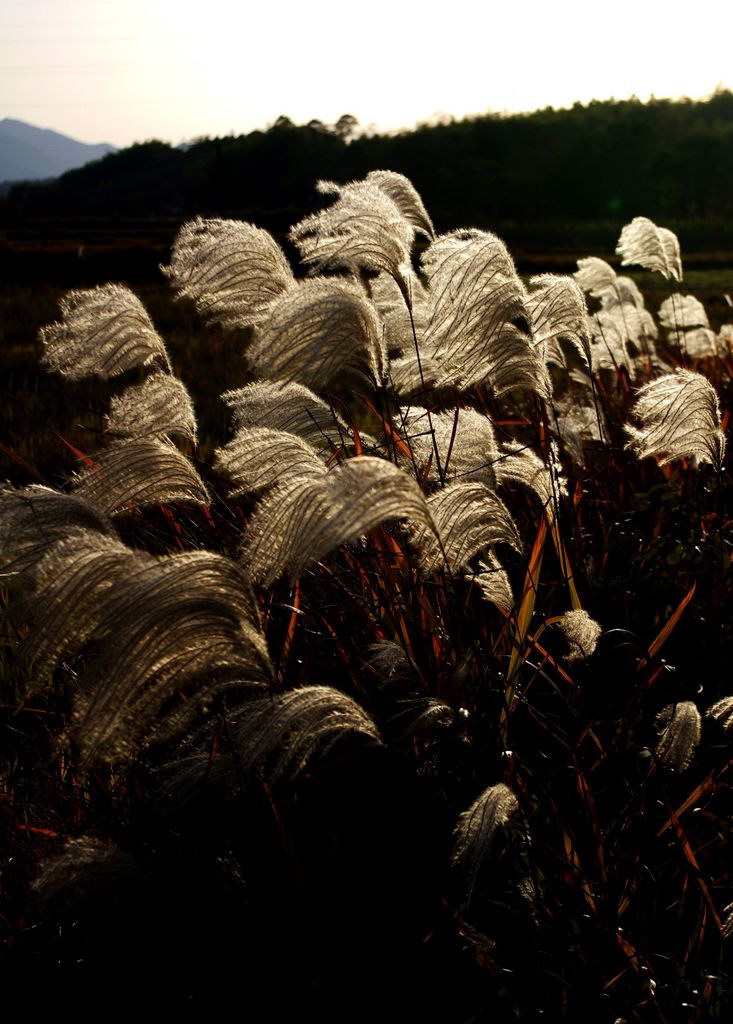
98	39
48	69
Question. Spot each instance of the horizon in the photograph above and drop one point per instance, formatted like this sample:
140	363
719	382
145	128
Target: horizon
120	73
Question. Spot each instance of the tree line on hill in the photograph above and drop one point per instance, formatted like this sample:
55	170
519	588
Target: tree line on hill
543	177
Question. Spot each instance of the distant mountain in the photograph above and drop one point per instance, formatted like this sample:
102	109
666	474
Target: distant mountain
28	153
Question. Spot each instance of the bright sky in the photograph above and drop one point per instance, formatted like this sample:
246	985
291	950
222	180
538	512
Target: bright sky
122	71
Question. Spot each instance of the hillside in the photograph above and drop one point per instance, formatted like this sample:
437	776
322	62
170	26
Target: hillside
28	153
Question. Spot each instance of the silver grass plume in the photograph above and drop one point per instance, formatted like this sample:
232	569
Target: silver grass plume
524	466
296	725
688	327
610	339
88	862
501	359
615	328
413	376
697	343
231	269
469	518
136	473
722	713
391	662
406	197
558	313
622	322
599	280
578	424
493	582
104	331
449	252
412	373
679	728
34	518
595	276
71	583
682	313
464	438
172	635
364	229
581	632
678	417
320	332
290	407
258	458
275	737
419	715
489	815
643	243
479	321
415	717
298	523
85	574
640	326
625	292
725	338
397	318
625	303
160	406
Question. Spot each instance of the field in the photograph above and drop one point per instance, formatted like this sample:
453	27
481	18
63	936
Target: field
400	690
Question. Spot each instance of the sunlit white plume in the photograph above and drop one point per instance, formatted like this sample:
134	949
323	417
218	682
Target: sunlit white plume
321	332
103	331
364	229
479	321
232	270
678	416
654	248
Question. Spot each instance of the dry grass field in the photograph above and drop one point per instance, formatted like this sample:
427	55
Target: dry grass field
397	682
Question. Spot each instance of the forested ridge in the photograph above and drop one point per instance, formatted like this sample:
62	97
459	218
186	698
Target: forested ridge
544	178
